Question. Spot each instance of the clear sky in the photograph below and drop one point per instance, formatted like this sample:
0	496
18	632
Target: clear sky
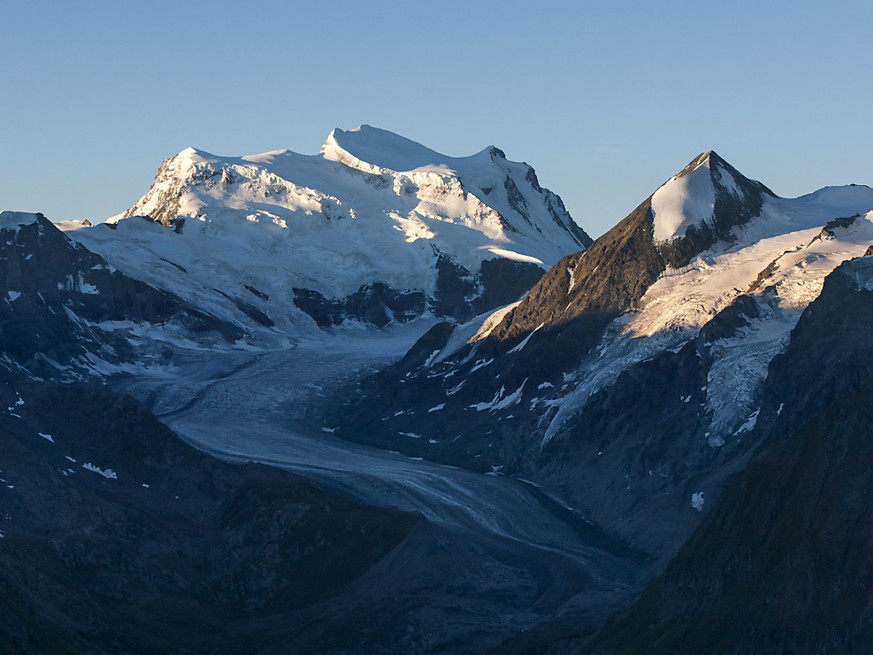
605	99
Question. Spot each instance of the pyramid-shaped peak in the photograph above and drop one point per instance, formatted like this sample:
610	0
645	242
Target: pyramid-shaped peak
709	159
708	197
722	173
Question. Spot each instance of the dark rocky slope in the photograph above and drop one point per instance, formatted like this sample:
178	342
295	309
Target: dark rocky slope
245	558
62	303
783	561
115	536
220	558
459	295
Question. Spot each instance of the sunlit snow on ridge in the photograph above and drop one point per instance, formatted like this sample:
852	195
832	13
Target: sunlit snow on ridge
682	301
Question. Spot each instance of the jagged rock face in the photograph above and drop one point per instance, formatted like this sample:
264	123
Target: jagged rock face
375	304
620	382
782	562
374	217
65	309
459	295
582	293
115	536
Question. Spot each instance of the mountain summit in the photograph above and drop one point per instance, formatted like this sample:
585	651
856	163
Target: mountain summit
375	228
702	205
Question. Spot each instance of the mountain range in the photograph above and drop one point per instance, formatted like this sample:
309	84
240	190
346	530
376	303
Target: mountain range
449	420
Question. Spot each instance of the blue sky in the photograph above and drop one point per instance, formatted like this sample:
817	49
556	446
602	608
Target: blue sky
605	100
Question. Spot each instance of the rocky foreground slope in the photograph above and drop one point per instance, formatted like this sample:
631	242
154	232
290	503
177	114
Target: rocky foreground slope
115	536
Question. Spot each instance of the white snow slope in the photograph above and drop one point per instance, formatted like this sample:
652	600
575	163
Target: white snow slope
371	207
686	200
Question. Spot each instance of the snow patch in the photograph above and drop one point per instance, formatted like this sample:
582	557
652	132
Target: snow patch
492	321
482	363
431	357
523	343
515	256
109	474
85	287
500	400
455	389
749	425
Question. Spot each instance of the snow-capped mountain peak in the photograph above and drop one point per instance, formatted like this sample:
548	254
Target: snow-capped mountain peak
487	175
701	205
373	212
687	201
